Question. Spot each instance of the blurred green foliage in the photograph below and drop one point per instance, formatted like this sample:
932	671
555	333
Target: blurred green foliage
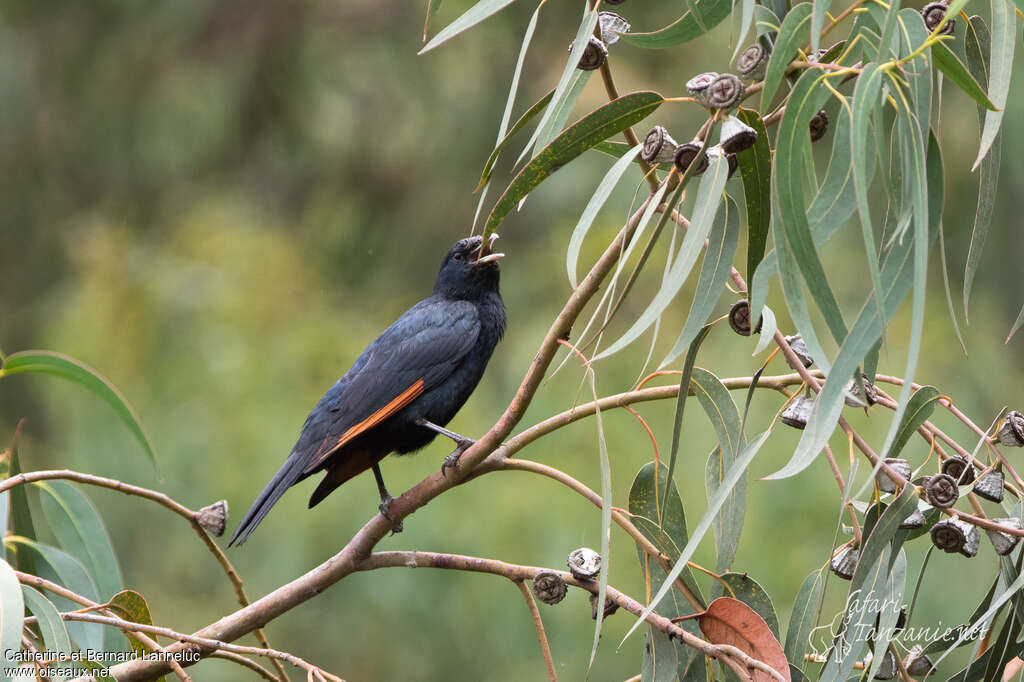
219	204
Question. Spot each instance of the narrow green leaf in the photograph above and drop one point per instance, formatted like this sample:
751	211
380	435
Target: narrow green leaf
606	521
596	126
888	612
558	113
714	271
62	568
596	203
58	365
977	47
432	7
919	409
885	44
709	198
21	514
792	142
1016	325
725	419
473	16
746	22
81	533
768	328
870	578
612	149
756	171
818	22
792	35
684	391
686	27
1003	40
865	101
766	22
736	471
804	616
12	611
898	273
504	134
55	635
951	66
570	75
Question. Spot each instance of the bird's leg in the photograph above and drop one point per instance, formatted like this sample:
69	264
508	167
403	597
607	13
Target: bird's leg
461	443
385	499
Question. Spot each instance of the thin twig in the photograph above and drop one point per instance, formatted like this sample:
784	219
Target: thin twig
542	638
243	661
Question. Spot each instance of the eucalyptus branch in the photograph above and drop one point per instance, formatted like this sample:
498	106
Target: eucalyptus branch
193	517
735	658
538	624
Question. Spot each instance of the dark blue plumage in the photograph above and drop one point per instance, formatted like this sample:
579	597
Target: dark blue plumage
407	384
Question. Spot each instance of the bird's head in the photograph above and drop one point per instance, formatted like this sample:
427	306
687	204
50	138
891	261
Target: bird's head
470	269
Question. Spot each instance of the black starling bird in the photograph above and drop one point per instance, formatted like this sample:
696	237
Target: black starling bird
404	388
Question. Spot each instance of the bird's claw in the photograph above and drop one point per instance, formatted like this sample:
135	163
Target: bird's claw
452	460
385	506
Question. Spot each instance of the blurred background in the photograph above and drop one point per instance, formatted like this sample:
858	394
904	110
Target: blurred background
219	204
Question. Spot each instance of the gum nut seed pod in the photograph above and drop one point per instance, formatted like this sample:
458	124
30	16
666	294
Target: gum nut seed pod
796	342
855	397
612	26
549	587
990	486
610	607
960	469
818	125
659	147
753	62
887	670
725	91
698	86
736	135
941	491
917	662
798	412
914	521
954	535
213	517
594	55
734	164
686	153
584	563
844	562
1002	542
739	318
886	484
1011	432
933	13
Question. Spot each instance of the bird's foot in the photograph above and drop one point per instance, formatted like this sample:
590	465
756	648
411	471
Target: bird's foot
452	460
385	506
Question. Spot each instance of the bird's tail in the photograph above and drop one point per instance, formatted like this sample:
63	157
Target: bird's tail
285	478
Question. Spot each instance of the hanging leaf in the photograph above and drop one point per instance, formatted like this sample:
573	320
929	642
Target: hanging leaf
1003	40
12	610
730	621
804	616
596	126
714	272
51	626
473	16
58	365
558	113
732	477
951	66
709	14
81	533
756	171
919	409
131	606
529	115
594	206
21	515
709	198
792	35
977	46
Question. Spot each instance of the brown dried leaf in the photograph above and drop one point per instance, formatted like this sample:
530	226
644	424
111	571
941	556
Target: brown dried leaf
730	621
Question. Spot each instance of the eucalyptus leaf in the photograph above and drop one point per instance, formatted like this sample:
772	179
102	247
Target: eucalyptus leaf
473	16
756	171
1003	40
804	616
12	611
704	16
596	126
792	34
59	365
55	635
953	69
741	586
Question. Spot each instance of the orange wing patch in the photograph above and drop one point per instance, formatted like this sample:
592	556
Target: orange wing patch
397	403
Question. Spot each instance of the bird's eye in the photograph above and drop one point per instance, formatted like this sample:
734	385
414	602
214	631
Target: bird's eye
457	256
